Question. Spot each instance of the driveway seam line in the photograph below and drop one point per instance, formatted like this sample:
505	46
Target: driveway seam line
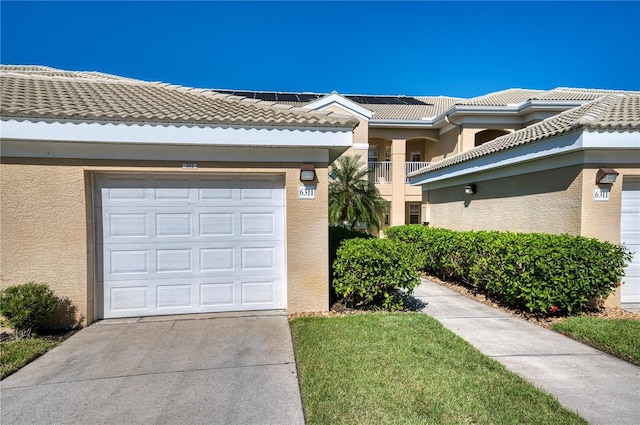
147	374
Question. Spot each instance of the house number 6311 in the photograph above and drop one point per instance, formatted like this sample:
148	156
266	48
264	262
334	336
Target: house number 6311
306	192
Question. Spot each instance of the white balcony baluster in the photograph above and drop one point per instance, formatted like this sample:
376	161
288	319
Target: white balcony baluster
410	167
381	172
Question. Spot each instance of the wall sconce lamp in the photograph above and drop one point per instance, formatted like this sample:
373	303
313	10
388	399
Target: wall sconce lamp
606	176
470	189
307	172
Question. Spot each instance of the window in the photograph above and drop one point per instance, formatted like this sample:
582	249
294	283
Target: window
416	157
373	153
414	213
387	153
386	216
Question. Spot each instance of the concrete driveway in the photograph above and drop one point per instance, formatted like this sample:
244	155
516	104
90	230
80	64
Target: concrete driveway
233	368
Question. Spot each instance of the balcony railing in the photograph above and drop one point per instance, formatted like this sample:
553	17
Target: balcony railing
410	167
381	172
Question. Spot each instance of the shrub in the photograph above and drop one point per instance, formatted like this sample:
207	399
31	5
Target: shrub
27	308
370	273
337	235
534	272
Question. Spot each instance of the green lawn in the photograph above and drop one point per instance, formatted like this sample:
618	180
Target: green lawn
406	368
618	337
16	354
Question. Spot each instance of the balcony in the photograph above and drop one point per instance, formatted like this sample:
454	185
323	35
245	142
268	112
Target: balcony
410	167
381	172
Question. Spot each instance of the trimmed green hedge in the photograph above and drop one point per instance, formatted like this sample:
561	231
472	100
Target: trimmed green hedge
534	272
337	235
28	307
370	273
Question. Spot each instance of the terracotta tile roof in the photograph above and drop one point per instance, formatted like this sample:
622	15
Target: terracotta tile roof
502	98
564	93
46	93
433	106
420	107
612	112
52	72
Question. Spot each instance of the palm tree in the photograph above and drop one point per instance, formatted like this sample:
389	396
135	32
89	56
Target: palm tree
352	198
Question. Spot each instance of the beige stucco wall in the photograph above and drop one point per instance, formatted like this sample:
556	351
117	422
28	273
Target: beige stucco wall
444	148
44	232
47	231
418	146
402	133
601	220
551	205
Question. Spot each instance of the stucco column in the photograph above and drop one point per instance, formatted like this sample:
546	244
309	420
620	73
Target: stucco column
398	158
467	139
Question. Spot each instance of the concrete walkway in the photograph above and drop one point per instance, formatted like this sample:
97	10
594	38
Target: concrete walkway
599	387
235	368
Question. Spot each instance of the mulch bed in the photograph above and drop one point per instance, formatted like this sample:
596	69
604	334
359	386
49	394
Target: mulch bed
547	322
339	309
7	334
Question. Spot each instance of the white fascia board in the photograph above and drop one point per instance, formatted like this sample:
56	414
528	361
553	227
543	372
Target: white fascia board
530	152
390	123
540	164
192	153
342	103
190	135
514	109
603	139
539	115
488	119
550	105
581	147
483	110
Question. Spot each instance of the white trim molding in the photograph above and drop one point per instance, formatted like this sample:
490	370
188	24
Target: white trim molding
106	132
341	102
583	147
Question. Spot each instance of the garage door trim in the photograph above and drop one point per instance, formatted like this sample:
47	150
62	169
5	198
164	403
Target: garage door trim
223	246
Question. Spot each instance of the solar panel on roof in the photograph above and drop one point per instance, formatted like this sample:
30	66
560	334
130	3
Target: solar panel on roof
286	97
310	97
386	100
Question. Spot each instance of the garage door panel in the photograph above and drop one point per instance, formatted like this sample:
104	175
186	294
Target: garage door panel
197	259
258	292
221	294
176	244
127	299
197	223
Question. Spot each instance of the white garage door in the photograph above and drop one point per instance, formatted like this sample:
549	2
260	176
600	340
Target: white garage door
630	236
184	244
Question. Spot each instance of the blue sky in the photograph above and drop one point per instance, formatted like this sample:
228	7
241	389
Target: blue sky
450	48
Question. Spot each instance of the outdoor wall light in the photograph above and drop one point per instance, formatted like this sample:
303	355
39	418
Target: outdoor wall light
606	176
470	189
307	172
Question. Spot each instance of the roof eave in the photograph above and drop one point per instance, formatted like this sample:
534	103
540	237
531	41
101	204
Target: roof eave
400	123
348	125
